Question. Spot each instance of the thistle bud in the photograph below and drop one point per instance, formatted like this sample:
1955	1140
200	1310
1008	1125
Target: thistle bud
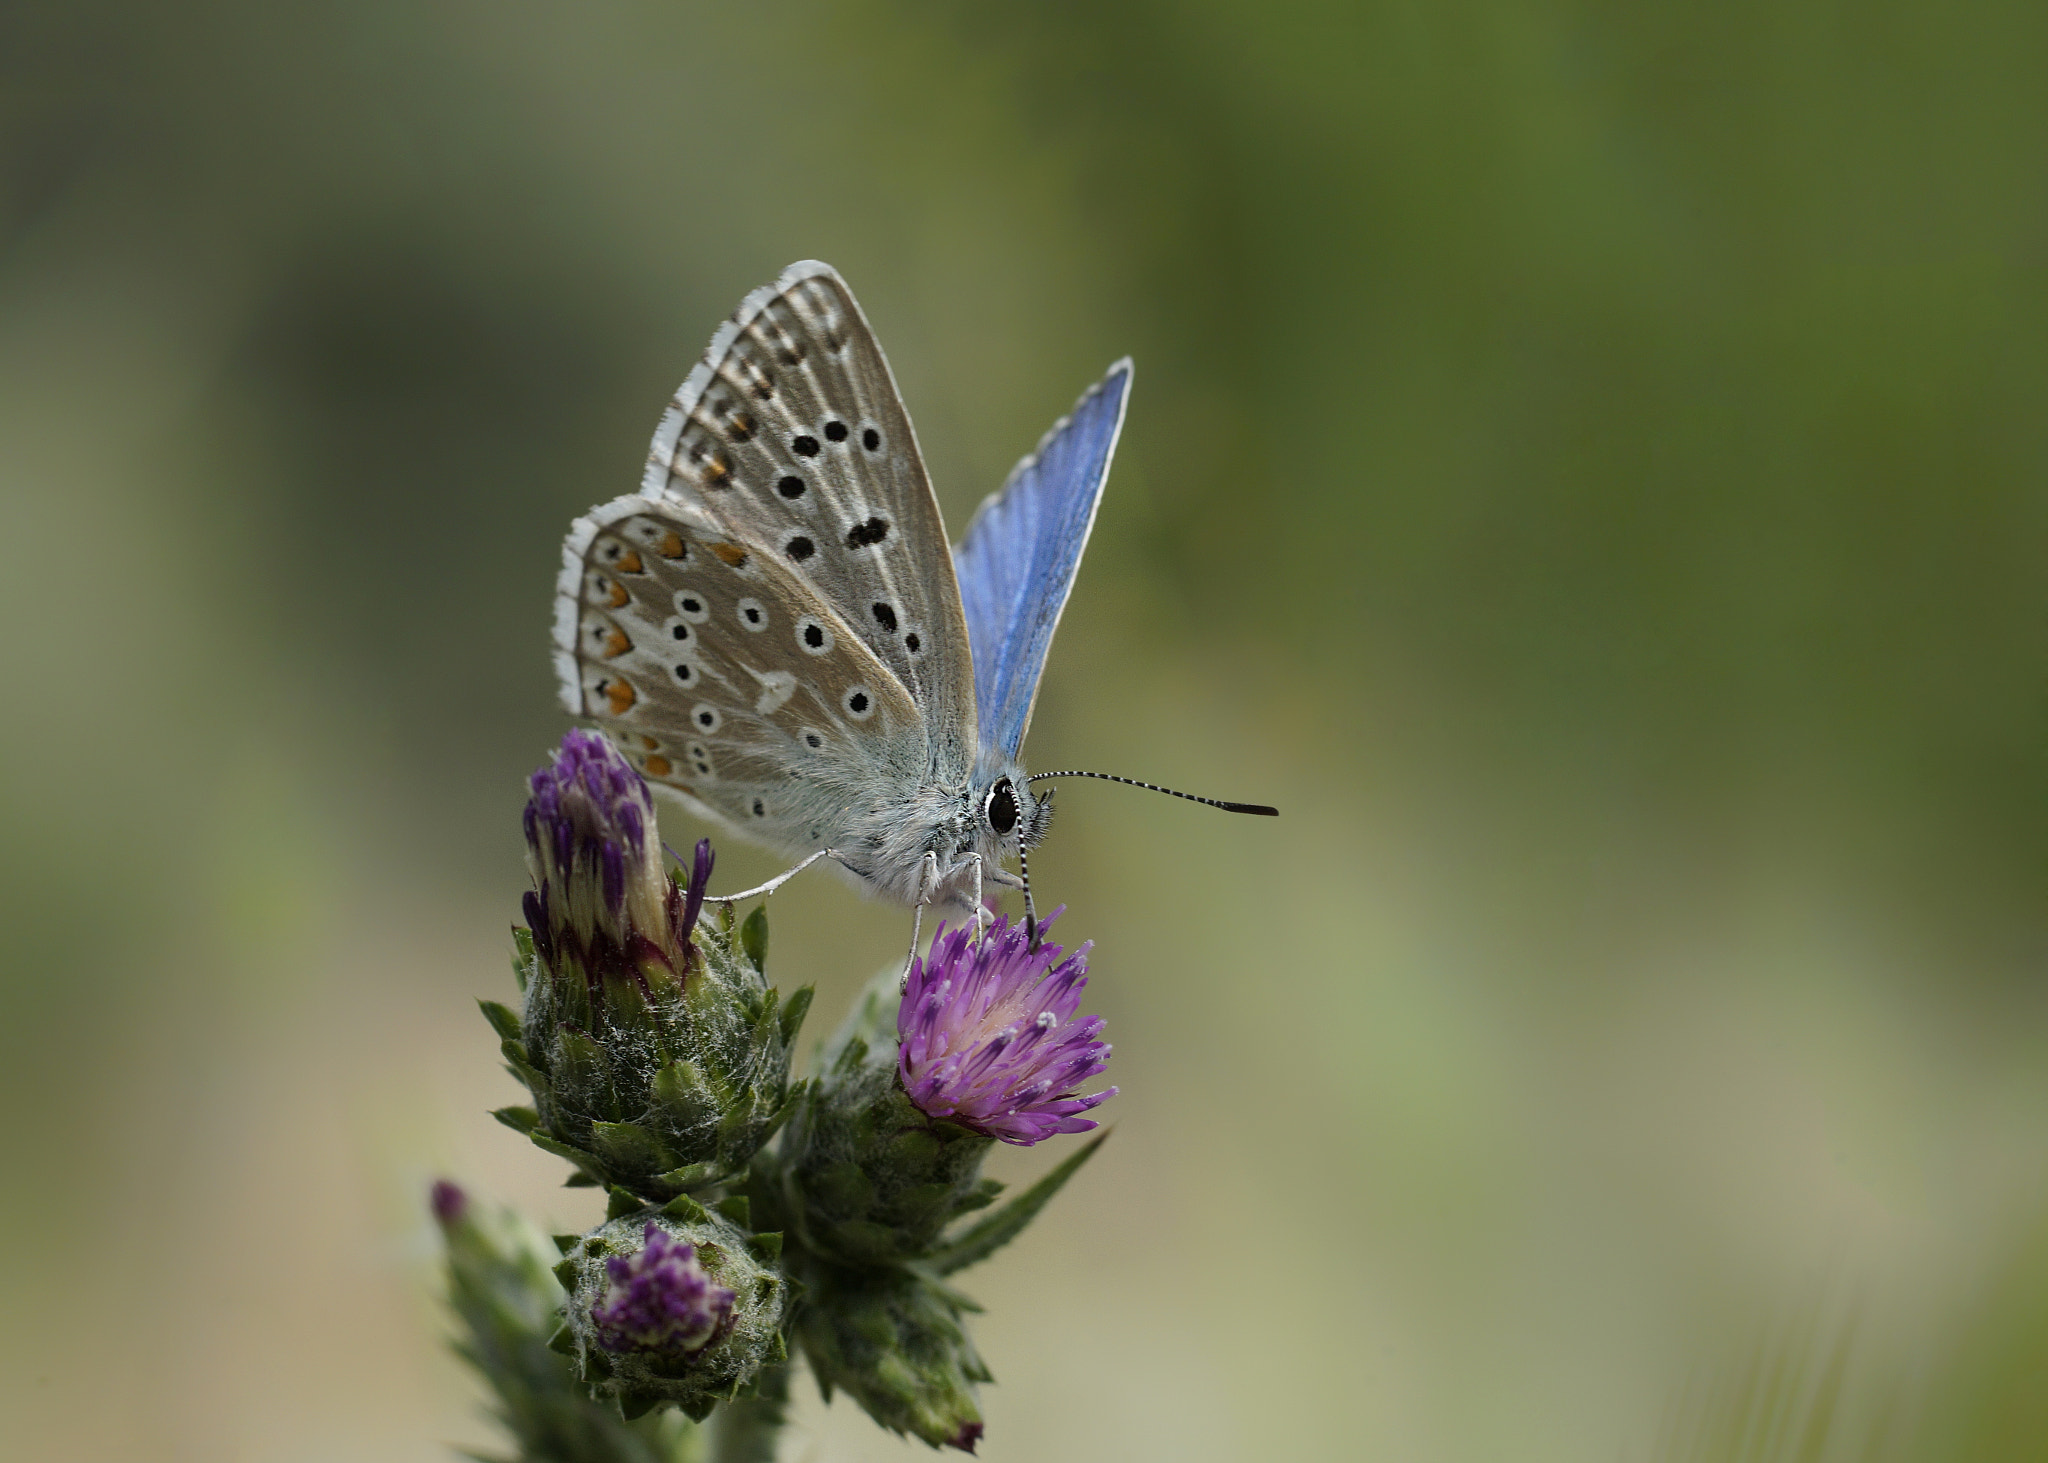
655	1050
676	1306
897	1343
600	905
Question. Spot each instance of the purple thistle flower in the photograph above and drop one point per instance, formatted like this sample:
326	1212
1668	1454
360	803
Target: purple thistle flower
990	1039
660	1300
601	894
590	841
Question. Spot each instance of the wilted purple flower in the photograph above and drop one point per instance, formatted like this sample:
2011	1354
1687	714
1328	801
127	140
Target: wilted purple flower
601	894
660	1299
990	1039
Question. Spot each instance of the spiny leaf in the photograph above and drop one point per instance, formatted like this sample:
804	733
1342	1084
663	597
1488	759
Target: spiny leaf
793	1012
628	1146
504	1020
989	1235
520	1119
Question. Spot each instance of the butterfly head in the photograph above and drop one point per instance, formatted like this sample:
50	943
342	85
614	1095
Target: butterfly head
1012	817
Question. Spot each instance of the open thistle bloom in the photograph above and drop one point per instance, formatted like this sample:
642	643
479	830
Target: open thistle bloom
990	1039
660	1300
601	897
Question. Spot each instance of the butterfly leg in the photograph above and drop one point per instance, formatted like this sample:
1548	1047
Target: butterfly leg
764	890
981	913
927	885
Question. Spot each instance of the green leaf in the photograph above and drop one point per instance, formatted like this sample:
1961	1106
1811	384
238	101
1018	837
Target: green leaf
521	1119
584	1072
768	1246
563	1341
566	1242
522	956
549	1143
628	1147
685	1097
504	1020
688	1176
622	1203
754	938
579	1180
686	1209
989	1235
739	1209
793	1012
638	1404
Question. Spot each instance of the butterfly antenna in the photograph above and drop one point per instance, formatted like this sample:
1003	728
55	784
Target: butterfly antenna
1030	912
1257	808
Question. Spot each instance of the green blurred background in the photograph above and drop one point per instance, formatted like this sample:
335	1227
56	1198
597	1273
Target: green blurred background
1586	465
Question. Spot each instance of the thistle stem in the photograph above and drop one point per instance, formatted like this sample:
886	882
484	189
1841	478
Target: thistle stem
746	1432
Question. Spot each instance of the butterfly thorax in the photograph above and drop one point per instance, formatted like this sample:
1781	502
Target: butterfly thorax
992	815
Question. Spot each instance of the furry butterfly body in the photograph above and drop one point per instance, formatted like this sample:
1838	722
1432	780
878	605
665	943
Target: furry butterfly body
775	630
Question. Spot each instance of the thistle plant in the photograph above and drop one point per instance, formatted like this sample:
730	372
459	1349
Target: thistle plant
754	1223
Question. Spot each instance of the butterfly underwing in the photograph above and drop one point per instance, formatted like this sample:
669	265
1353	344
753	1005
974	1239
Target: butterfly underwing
775	631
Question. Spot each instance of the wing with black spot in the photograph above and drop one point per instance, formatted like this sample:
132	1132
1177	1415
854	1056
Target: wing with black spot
790	438
723	678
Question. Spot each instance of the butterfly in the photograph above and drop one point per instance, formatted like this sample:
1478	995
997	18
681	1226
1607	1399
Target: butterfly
775	632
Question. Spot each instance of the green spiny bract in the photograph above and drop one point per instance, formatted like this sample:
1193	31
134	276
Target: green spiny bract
867	1179
646	1079
723	1367
896	1342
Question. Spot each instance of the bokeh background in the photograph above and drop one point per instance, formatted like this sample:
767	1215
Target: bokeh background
1586	465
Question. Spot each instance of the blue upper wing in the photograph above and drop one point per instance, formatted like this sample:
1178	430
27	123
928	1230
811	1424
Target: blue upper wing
1017	560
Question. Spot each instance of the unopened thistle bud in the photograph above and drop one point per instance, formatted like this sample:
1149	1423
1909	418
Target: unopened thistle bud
657	1054
678	1306
601	903
898	1343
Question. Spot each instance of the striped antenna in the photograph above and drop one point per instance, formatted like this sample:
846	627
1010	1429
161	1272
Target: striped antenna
1260	809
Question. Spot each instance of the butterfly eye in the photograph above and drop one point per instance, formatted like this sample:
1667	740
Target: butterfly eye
690	605
1001	808
859	704
752	615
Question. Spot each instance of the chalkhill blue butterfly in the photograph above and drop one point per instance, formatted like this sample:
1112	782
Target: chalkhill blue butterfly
776	633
